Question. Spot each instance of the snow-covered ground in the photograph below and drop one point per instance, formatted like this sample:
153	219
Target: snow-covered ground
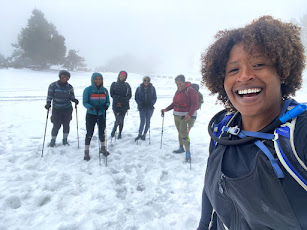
143	186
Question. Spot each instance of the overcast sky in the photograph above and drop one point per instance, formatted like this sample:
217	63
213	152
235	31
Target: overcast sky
169	33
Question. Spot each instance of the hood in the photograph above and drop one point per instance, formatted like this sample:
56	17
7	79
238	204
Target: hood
94	75
124	73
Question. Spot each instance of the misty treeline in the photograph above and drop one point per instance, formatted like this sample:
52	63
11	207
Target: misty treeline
39	46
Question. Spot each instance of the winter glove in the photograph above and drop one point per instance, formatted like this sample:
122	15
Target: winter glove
76	101
47	106
97	108
105	107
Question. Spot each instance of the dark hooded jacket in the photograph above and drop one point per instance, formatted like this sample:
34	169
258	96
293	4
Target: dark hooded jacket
121	93
145	97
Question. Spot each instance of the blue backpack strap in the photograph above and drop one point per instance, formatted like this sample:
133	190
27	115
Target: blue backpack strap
218	128
289	159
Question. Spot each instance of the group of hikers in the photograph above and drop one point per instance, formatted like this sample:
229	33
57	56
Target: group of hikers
96	100
256	173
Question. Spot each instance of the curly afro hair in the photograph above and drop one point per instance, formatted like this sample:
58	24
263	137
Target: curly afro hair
279	41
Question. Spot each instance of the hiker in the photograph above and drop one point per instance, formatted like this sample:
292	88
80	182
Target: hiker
145	97
253	70
96	101
121	94
185	105
60	93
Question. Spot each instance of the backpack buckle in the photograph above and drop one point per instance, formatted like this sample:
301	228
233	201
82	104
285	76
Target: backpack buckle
233	130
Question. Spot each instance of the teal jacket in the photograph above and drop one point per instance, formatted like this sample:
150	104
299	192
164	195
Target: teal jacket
93	97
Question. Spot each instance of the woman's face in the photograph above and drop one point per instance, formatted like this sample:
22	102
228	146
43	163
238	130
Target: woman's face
252	84
122	77
146	82
64	79
180	85
98	80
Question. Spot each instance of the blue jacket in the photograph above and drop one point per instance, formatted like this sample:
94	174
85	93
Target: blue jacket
145	97
60	95
92	97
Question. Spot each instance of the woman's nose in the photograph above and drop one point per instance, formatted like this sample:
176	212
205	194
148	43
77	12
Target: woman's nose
245	74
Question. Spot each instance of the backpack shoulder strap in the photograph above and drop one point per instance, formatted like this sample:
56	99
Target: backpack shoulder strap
288	157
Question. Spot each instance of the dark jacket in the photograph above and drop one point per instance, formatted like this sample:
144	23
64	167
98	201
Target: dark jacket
145	97
60	95
185	100
241	186
121	93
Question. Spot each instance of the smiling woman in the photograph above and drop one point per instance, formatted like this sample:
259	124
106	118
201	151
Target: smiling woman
254	70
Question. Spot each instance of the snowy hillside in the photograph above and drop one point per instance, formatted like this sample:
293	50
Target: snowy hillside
142	188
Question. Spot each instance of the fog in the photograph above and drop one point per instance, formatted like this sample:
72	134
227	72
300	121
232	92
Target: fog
159	35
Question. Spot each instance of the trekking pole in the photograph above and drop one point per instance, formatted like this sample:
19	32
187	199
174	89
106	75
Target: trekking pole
45	133
98	139
105	135
162	115
77	124
149	133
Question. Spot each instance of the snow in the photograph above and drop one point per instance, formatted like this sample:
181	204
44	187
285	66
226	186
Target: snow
143	186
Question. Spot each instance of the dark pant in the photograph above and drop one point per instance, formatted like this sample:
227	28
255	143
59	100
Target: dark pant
60	117
145	116
91	120
119	121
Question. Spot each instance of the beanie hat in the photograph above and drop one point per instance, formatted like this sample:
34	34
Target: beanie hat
94	75
123	72
65	73
180	78
146	77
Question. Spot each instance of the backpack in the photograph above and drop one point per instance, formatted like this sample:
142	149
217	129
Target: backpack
200	96
283	136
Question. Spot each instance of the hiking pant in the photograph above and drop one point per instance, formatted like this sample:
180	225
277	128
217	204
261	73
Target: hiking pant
91	120
184	127
145	116
60	117
119	121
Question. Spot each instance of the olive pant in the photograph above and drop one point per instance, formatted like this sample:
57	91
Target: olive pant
184	127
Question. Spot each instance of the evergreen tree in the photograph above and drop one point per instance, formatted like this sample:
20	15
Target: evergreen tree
39	43
73	61
3	62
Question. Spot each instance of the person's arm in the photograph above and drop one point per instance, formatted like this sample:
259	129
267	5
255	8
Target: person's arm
107	103
50	94
72	96
129	92
154	96
208	218
86	99
137	96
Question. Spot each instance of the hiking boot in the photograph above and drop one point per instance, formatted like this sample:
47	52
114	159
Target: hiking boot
119	136
180	150
52	143
64	141
143	137
87	155
138	137
104	151
187	156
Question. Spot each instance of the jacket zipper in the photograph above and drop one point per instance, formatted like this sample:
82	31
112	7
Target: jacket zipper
223	190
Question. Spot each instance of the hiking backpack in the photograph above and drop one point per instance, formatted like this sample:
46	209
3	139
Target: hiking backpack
200	96
283	136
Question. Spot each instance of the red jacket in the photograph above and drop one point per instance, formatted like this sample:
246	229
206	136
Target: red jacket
185	100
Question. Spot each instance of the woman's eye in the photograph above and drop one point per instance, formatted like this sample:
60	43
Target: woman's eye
233	70
259	65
